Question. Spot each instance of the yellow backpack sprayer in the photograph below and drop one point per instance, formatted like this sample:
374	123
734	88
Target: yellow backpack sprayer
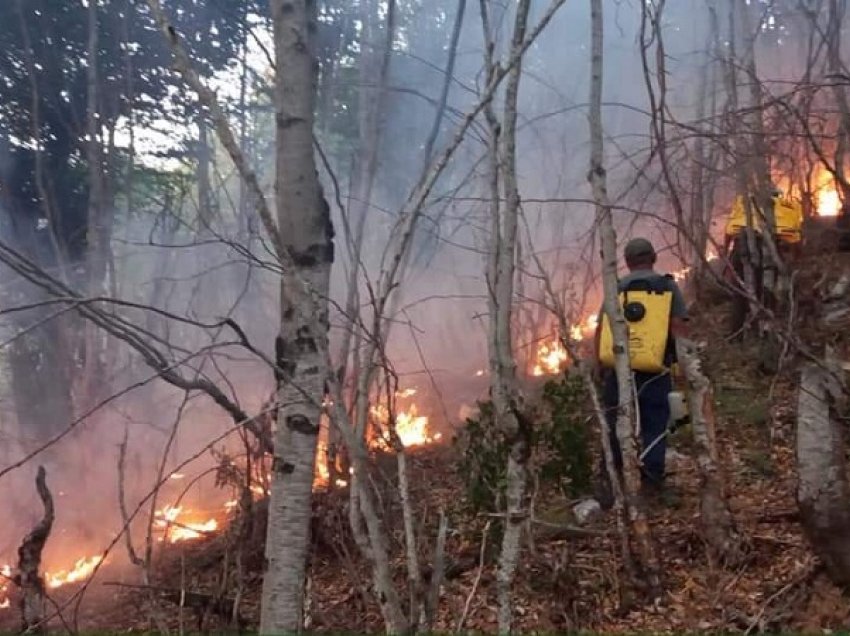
646	307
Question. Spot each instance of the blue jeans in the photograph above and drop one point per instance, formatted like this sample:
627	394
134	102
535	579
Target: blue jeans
654	407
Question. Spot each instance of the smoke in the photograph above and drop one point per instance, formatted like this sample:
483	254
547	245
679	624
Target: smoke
196	274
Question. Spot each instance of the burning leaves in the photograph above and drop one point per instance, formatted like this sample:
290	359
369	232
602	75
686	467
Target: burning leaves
176	523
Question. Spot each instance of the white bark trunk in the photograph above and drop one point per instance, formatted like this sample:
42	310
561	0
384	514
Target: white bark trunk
305	228
608	239
718	525
501	273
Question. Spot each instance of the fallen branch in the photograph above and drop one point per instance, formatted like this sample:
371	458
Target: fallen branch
807	571
29	561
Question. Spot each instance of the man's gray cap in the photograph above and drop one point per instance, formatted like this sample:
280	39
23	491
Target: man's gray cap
638	248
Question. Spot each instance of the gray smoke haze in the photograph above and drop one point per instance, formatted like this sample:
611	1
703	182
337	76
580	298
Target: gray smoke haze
202	274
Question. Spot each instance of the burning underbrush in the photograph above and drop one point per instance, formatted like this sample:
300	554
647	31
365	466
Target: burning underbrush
197	512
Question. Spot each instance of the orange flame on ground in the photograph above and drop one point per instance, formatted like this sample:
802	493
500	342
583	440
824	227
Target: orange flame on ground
178	524
411	428
81	570
552	357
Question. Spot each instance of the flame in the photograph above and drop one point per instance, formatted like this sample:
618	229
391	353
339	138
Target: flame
6	573
827	200
82	569
177	527
411	427
681	274
551	357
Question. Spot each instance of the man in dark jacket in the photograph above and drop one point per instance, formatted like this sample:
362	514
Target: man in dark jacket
653	389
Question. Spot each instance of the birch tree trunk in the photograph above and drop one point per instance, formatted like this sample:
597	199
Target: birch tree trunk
718	525
645	551
501	272
305	229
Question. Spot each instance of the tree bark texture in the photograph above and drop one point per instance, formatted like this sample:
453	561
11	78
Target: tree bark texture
823	490
645	550
307	235
718	525
28	577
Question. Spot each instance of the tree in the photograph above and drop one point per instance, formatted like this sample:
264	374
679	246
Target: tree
307	235
510	420
71	72
625	427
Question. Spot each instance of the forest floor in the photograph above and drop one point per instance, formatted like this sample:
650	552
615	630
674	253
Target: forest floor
568	580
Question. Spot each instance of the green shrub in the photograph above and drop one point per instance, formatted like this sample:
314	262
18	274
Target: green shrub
560	453
567	433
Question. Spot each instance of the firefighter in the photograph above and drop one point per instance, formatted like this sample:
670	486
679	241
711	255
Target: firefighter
788	215
655	311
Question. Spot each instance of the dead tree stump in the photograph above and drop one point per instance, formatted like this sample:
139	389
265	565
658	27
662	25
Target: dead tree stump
823	491
28	578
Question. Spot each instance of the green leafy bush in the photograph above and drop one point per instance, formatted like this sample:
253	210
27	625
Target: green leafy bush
560	447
